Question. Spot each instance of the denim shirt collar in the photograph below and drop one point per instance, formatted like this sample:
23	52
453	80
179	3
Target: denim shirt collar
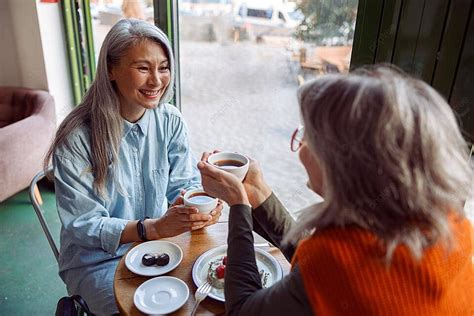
142	124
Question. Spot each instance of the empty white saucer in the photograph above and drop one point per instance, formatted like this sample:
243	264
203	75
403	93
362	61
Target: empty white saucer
161	295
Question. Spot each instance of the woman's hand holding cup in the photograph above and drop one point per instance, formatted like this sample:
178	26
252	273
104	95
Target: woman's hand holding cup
221	184
177	220
181	218
255	186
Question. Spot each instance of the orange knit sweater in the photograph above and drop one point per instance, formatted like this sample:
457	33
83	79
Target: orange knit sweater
344	273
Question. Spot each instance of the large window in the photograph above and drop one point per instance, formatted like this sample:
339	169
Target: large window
241	64
240	68
105	13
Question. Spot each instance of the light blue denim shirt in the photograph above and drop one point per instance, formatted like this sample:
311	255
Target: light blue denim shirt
155	163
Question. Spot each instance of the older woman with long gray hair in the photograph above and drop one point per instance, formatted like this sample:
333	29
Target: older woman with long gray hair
119	159
391	237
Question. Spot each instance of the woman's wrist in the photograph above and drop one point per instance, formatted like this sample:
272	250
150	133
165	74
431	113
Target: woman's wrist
151	226
259	195
239	197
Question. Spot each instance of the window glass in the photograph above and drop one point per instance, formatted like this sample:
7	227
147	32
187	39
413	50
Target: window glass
281	17
256	13
239	76
239	79
105	13
242	11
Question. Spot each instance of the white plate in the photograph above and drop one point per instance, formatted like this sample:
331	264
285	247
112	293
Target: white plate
265	261
161	295
133	260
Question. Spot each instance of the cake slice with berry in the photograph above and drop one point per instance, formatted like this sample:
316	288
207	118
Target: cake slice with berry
216	272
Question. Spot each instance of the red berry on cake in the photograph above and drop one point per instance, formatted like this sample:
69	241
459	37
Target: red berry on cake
220	271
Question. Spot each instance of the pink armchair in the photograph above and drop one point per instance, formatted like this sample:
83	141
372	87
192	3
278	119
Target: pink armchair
27	127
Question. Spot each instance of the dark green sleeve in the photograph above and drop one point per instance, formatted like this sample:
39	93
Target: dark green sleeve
243	289
272	221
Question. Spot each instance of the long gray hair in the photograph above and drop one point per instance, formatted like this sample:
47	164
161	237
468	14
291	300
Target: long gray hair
392	156
100	107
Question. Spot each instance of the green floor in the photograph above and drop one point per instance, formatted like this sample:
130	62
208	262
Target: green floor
29	281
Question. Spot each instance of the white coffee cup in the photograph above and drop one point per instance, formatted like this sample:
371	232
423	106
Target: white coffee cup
235	163
199	199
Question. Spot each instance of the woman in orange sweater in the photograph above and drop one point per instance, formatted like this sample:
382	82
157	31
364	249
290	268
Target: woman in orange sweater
391	237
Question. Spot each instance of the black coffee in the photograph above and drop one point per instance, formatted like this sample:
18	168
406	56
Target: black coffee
228	163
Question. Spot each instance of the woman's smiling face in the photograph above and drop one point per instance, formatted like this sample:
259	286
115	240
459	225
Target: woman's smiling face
141	78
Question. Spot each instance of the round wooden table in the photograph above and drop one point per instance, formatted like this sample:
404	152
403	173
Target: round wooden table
193	245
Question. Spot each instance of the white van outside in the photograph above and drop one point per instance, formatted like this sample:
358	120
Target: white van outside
267	17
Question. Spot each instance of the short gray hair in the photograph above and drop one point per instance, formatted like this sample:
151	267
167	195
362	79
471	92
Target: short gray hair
392	157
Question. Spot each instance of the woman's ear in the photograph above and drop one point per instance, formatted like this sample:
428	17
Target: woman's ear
112	72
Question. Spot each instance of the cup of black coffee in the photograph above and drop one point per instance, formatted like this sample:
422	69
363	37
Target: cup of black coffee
199	199
234	163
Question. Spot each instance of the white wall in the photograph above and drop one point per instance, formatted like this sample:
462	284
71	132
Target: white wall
9	68
25	29
33	53
55	57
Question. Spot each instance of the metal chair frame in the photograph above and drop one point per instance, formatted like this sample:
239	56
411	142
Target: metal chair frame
39	211
81	305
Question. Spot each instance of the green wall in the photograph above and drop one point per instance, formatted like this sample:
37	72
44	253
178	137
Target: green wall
431	39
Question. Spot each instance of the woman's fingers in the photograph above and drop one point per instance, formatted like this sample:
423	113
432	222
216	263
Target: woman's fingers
197	224
181	209
218	209
179	201
190	214
199	217
213	173
187	226
213	222
216	213
205	155
206	168
210	175
197	227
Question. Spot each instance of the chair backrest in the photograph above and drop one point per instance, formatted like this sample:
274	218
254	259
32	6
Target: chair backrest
68	305
39	211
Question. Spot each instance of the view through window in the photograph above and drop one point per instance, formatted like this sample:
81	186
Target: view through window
241	65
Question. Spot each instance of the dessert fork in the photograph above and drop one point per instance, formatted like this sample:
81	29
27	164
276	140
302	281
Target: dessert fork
200	295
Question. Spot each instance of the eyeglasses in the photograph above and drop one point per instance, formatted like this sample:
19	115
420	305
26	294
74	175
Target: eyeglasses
297	138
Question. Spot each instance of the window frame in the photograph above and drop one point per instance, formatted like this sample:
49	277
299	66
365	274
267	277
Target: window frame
80	43
166	17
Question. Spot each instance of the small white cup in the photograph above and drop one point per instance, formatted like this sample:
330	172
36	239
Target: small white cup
199	199
238	169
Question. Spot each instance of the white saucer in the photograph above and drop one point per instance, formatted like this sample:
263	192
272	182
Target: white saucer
133	260
161	295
